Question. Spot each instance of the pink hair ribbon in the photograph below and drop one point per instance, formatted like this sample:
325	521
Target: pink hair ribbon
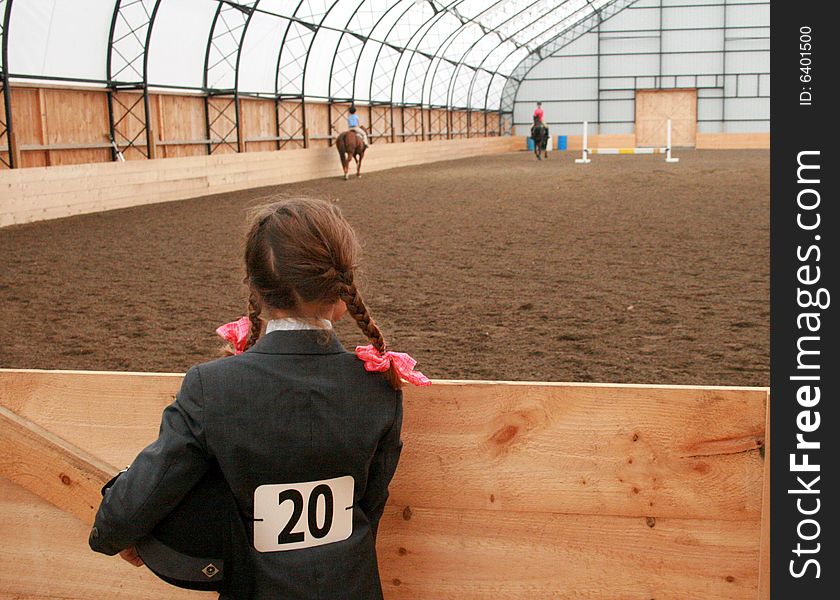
236	332
381	362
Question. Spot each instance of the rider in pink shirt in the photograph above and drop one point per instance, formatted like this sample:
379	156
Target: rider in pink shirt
538	112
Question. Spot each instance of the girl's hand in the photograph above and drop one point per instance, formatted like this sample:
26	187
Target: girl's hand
130	556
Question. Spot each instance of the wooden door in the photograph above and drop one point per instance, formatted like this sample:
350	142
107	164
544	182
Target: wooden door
655	107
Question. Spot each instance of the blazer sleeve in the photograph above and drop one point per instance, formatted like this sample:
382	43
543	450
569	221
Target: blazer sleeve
382	469
158	478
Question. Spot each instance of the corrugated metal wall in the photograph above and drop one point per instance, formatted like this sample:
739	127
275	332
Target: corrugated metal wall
720	47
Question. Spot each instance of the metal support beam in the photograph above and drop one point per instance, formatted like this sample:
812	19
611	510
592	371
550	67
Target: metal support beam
222	105
7	133
129	109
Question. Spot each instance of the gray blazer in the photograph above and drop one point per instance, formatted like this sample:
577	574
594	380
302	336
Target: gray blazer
296	407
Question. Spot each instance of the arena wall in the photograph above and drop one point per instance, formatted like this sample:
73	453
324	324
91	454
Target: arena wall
63	125
505	490
34	194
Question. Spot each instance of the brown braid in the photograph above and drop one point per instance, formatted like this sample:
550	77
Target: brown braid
357	309
253	316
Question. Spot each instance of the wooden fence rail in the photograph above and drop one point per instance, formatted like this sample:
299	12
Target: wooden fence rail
505	490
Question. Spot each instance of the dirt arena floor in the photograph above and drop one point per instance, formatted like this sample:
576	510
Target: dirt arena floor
625	270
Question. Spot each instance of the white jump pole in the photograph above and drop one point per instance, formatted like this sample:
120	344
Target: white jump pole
668	157
666	150
585	155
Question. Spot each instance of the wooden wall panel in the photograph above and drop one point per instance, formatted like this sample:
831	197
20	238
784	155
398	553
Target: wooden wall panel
258	119
180	119
655	107
449	554
29	121
45	555
318	123
670	452
76	116
733	141
475	511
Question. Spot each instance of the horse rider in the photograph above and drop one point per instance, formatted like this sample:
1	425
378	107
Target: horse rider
539	133
538	112
353	125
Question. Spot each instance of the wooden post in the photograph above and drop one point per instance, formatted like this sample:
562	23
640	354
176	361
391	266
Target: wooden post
303	123
393	129
42	106
329	124
161	122
277	121
240	139
151	147
402	122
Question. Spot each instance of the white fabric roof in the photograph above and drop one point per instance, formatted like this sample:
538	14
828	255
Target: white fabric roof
452	53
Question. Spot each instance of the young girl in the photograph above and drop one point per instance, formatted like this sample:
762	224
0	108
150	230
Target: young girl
306	434
353	125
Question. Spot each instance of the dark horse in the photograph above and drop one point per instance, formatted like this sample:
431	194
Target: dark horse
539	133
350	145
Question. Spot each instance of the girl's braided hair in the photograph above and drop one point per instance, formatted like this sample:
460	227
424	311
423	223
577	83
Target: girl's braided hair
304	250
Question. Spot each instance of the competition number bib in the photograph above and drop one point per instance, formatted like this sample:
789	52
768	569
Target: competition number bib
291	516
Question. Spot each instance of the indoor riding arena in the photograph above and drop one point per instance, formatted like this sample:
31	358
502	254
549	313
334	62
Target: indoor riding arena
595	323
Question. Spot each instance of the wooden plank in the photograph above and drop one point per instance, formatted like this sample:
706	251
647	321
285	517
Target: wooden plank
733	141
33	194
597	450
46	465
764	560
45	555
470	555
575	449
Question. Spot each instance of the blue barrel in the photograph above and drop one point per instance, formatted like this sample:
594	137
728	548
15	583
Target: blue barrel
561	142
531	144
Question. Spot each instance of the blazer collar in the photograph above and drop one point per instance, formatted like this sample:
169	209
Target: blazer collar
302	341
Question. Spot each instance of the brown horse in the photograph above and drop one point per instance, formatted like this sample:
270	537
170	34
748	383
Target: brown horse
350	145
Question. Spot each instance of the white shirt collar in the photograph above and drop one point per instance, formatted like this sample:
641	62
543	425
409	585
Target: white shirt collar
292	324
